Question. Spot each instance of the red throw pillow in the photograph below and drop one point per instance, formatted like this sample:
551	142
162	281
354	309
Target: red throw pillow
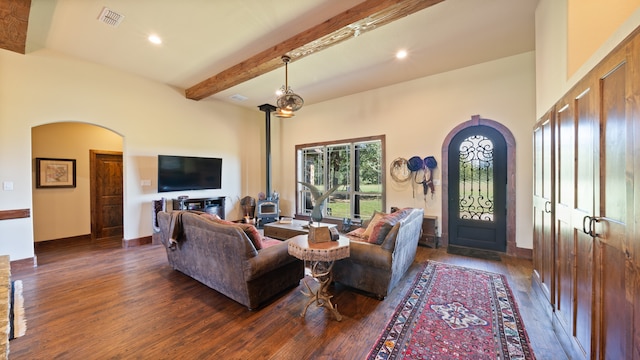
252	233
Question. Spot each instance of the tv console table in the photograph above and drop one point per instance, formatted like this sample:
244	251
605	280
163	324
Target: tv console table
212	205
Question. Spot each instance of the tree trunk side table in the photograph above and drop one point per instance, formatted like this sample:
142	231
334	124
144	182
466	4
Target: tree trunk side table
321	257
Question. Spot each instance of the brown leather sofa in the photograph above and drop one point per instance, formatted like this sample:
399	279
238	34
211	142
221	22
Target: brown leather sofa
223	257
377	268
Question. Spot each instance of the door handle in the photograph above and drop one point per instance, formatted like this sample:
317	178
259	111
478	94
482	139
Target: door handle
547	205
593	220
592	226
584	224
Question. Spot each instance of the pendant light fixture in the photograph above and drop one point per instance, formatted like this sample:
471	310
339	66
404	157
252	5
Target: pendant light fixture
288	102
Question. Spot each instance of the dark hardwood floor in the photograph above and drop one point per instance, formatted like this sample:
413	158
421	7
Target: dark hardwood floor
100	301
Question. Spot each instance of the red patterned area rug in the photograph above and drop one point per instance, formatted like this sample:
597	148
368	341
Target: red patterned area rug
453	312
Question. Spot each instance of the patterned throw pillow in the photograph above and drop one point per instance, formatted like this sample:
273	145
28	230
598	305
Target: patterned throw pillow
359	233
382	228
375	219
252	233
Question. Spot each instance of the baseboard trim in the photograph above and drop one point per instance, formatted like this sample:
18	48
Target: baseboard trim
522	253
37	244
22	264
127	243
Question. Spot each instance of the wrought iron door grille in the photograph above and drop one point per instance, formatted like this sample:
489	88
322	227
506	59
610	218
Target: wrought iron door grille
476	179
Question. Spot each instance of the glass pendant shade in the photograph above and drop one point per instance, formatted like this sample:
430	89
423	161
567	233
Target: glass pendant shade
283	113
289	101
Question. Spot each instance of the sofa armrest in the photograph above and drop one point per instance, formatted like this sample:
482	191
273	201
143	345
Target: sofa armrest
369	254
389	242
268	260
406	238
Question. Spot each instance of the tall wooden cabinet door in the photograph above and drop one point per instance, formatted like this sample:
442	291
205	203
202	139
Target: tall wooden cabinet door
576	136
633	250
613	224
564	239
543	204
585	184
596	280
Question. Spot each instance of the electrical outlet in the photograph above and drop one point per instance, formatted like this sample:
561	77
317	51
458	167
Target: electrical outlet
7	186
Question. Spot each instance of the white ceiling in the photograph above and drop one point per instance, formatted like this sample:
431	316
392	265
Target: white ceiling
204	37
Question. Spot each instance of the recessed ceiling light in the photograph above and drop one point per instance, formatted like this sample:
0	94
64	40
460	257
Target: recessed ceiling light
401	54
155	39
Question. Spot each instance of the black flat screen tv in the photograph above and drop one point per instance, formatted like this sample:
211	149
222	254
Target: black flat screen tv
178	173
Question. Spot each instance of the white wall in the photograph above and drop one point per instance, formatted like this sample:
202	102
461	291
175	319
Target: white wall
416	116
552	81
45	87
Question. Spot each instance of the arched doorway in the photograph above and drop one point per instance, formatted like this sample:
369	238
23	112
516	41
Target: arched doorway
67	212
477	192
509	201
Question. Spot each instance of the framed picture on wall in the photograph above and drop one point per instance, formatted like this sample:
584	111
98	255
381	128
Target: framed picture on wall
55	173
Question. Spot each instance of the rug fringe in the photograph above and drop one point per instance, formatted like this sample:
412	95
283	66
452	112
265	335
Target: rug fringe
19	320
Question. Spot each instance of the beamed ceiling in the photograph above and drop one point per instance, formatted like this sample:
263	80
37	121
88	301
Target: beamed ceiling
221	50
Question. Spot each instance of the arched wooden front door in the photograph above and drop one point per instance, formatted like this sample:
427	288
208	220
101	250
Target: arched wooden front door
477	178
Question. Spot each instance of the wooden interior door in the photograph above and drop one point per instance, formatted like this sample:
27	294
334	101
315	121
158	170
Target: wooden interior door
106	191
544	205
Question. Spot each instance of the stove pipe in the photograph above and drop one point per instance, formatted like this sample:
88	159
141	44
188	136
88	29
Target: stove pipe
268	109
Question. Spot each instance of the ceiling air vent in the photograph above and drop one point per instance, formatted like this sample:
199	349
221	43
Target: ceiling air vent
238	98
110	17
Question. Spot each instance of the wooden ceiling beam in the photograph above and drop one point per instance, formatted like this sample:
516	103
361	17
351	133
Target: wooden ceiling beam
14	21
366	16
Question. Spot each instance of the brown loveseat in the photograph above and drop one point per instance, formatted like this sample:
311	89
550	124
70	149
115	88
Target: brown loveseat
222	256
378	261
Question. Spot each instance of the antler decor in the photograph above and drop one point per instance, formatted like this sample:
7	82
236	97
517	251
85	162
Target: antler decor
318	199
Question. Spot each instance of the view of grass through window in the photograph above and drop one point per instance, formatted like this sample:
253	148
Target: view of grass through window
356	165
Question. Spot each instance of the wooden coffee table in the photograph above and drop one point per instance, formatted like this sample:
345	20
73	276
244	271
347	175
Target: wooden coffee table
320	257
284	231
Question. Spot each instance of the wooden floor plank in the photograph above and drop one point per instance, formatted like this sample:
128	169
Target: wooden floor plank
98	300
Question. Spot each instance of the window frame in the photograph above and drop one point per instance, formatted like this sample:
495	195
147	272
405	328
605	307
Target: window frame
299	212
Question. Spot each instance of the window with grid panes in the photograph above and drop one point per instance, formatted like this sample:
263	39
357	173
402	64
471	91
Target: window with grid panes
356	165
